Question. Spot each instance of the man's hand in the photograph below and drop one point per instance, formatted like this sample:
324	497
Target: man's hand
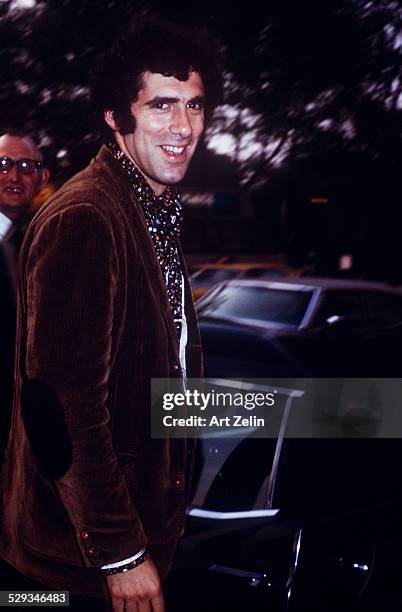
138	590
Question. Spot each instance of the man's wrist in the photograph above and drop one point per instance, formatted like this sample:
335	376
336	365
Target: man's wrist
125	566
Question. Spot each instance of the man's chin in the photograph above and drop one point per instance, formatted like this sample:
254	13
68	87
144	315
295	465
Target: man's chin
172	178
166	177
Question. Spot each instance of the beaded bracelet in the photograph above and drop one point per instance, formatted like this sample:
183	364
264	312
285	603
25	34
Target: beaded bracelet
125	568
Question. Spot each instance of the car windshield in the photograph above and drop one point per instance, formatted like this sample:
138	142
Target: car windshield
271	305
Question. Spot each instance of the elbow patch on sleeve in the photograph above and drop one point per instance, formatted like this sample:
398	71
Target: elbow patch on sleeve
46	428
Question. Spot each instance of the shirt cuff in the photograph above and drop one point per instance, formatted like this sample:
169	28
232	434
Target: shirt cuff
124	561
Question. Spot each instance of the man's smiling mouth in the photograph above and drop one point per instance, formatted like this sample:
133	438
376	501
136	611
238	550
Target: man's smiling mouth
174	151
13	190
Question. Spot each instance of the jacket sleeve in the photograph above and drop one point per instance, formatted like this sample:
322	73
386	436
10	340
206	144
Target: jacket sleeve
71	274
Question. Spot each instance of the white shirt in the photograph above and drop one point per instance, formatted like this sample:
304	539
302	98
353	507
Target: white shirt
5	225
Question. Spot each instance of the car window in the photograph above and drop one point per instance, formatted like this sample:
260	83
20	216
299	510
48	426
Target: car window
212	276
338	304
281	306
223	484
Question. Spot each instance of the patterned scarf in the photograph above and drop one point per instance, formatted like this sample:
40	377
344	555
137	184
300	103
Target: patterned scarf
163	215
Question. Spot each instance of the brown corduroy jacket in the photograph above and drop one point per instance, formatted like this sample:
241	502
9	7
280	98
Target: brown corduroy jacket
83	483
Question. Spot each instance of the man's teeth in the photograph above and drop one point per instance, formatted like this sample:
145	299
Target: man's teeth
175	150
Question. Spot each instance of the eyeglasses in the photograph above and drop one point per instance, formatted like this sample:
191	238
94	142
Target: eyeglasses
25	166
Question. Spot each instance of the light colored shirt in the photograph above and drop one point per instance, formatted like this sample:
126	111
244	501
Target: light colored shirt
183	335
5	225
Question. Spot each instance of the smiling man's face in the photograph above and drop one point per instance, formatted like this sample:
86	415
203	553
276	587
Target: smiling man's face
169	117
17	190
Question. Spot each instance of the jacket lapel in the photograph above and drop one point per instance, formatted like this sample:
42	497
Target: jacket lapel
139	231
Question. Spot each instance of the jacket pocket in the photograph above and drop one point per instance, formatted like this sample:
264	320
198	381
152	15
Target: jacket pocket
46	529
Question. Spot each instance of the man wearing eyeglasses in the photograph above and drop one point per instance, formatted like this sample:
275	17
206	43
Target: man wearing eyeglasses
22	176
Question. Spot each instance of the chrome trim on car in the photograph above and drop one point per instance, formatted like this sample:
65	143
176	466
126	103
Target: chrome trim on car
241	514
254	577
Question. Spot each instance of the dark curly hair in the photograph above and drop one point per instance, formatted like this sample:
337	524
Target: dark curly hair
159	47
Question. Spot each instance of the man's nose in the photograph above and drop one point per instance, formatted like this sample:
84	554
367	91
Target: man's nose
13	173
180	123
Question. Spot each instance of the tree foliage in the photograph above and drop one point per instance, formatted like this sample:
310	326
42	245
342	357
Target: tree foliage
303	80
315	77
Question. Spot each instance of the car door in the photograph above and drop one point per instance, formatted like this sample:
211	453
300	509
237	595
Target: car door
381	338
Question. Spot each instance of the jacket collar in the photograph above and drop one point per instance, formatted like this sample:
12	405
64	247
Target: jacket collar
139	231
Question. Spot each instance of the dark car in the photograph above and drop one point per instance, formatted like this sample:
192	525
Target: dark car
288	524
205	276
307	327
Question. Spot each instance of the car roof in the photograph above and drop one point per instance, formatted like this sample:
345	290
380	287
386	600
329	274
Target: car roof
314	283
242	265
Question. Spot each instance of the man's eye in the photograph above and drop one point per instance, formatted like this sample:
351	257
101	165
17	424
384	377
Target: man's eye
196	106
161	105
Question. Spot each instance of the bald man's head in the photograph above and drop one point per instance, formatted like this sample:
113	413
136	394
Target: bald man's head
18	188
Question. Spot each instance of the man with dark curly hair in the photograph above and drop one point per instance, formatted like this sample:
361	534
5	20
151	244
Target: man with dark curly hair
90	502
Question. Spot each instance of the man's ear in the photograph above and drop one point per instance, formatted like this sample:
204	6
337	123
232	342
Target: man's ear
44	175
109	118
